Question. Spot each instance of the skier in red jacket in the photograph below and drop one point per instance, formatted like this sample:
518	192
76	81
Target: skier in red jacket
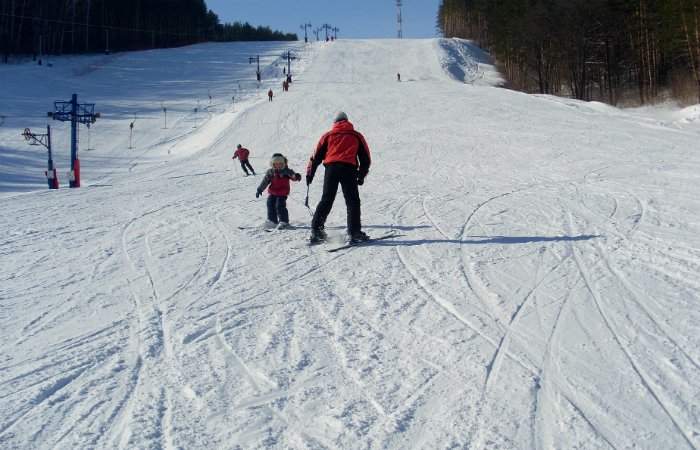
277	178
242	154
346	158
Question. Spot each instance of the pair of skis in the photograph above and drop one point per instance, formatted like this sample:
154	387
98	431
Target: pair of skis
349	245
269	230
358	244
334	249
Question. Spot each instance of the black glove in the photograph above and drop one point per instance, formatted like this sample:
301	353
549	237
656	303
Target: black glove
297	176
309	178
258	194
360	181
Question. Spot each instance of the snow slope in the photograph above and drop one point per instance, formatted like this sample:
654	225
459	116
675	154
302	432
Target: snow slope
544	293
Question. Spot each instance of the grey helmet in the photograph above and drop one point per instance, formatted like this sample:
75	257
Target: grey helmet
340	115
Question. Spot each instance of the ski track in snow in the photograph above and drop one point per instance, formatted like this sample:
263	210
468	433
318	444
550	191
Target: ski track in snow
585	273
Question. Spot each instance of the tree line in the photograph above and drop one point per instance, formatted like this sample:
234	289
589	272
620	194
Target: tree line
616	51
40	27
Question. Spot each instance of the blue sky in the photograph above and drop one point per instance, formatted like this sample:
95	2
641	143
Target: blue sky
356	19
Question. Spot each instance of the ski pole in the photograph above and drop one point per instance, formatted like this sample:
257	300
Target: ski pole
306	202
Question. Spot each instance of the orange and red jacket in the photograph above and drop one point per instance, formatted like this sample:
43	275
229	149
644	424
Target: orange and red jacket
242	153
342	144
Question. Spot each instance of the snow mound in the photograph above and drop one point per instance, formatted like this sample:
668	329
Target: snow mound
690	114
467	63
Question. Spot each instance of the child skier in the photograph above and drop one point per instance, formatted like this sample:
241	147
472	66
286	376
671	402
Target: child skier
277	177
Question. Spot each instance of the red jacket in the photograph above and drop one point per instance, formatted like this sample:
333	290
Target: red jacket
278	181
342	144
242	153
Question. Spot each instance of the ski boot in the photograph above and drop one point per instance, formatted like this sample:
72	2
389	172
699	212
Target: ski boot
317	236
356	237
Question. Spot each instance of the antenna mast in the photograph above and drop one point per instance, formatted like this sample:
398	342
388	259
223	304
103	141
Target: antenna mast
398	18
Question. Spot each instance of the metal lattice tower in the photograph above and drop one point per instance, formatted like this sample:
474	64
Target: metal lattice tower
398	18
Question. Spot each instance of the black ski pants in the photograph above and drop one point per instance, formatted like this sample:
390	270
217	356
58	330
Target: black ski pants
344	175
277	209
245	165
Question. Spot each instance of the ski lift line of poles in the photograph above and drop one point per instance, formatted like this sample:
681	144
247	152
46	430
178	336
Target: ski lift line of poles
5	117
275	59
239	82
164	104
116	115
179	107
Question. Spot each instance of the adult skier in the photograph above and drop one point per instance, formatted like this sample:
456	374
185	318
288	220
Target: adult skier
346	158
242	154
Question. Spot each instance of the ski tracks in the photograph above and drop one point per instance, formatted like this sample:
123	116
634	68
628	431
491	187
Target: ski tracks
163	327
510	325
669	402
386	387
329	315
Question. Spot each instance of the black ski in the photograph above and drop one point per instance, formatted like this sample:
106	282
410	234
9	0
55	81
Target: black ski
269	230
343	247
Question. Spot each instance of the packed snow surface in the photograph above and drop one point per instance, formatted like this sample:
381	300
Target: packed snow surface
543	292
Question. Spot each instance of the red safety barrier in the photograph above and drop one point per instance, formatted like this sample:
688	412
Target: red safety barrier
76	169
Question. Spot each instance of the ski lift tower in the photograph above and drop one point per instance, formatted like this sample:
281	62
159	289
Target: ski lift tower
326	27
45	140
290	57
257	59
76	113
398	18
305	26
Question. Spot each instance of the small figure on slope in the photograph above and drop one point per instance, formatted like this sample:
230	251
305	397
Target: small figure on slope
277	178
242	154
269	95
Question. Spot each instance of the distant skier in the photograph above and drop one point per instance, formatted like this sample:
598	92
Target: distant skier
269	95
346	158
242	154
398	77
277	178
